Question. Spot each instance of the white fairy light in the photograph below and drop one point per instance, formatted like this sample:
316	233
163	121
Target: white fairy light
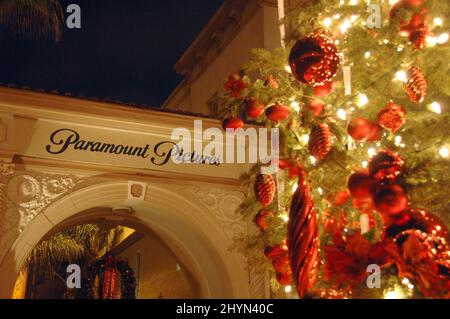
371	151
294	187
438	21
394	293
393	1
361	100
353	18
305	138
312	159
341	114
287	289
431	41
367	54
398	140
353	2
364	164
442	38
288	68
345	26
327	22
296	106
435	107
285	217
336	16
444	152
320	190
401	76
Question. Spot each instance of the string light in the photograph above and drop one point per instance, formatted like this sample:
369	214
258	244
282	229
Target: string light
312	159
320	190
442	38
401	76
367	55
305	138
288	289
341	114
336	16
345	26
296	106
284	217
371	151
364	164
327	22
361	100
353	2
435	107
288	68
398	140
437	21
444	152
294	187
391	2
353	18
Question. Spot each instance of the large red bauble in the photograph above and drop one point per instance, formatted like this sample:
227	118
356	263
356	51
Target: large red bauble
264	189
390	199
284	279
360	128
420	219
314	60
361	185
375	133
254	108
232	123
278	112
386	166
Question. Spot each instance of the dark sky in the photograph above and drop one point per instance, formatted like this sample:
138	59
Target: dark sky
124	51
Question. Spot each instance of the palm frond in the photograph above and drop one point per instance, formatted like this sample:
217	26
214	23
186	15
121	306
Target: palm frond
38	18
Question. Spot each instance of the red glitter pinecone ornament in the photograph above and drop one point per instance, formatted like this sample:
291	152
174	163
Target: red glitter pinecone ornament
303	238
416	85
314	60
265	189
261	219
392	117
320	141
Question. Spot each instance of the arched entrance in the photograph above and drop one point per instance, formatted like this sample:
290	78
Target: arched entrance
193	235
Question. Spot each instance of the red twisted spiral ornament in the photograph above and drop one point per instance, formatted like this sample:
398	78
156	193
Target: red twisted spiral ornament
320	141
265	189
303	238
272	82
416	85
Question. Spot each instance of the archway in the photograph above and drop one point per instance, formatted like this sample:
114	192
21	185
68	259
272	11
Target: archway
190	233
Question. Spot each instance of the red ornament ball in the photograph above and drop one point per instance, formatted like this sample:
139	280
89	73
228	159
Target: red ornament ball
361	185
265	189
254	108
284	279
386	166
375	133
278	112
416	86
261	219
232	123
360	128
275	251
392	117
390	199
324	89
316	107
314	60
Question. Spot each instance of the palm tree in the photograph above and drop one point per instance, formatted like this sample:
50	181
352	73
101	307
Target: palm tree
38	18
80	244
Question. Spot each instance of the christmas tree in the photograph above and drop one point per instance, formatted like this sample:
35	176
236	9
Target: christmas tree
360	94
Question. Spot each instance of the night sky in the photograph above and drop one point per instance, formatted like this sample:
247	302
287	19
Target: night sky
124	51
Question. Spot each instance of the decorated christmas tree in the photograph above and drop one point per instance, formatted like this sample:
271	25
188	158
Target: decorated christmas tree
359	207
